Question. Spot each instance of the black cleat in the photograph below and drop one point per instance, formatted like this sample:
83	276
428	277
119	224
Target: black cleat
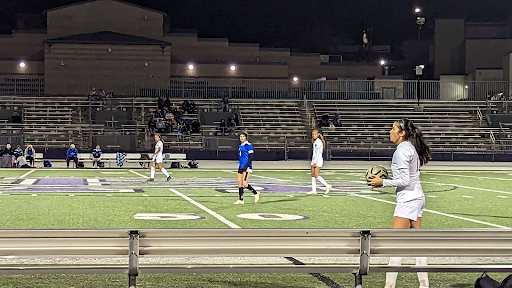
169	178
151	180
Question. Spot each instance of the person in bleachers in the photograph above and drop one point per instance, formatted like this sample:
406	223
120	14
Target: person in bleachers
231	126
168	115
93	93
192	107
337	120
151	126
185	106
167	102
160	126
225	104
222	127
18	152
72	154
30	154
196	126
325	121
160	103
16	118
96	155
6	157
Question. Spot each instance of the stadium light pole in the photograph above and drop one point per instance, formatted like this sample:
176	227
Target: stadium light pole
420	21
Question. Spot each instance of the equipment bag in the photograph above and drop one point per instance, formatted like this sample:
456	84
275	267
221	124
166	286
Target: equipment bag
176	165
486	282
81	165
507	283
47	163
101	164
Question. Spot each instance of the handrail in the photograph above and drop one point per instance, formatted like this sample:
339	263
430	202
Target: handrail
254	242
480	116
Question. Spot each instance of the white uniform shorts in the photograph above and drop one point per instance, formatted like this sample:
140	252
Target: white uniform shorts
319	162
158	158
411	209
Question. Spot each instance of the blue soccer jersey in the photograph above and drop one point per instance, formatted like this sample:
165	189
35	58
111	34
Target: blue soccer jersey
96	153
243	154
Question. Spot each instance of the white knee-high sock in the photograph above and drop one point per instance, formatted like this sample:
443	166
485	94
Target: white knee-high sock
313	184
152	172
165	172
322	181
422	276
391	276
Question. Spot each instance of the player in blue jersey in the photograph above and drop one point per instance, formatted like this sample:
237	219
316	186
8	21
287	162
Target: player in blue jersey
245	157
96	156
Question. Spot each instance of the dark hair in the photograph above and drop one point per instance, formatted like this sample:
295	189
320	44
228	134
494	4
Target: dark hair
244	133
414	135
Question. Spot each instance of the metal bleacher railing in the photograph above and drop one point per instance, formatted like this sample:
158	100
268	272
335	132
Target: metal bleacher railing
133	244
262	88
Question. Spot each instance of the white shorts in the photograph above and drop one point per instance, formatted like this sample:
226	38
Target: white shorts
158	158
319	162
411	209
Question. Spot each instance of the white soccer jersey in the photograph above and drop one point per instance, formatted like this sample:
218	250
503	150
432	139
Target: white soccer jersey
406	173
160	145
318	150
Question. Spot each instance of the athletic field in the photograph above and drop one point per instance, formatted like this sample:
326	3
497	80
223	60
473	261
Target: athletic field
202	198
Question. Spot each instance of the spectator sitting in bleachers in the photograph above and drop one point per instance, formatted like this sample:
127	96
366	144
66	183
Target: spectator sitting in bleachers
324	122
196	126
222	127
167	103
72	154
185	106
225	104
231	126
191	107
160	126
30	154
18	152
160	103
151	126
337	120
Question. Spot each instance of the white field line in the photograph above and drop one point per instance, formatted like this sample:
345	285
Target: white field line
468	187
437	212
138	174
28	173
206	209
468	176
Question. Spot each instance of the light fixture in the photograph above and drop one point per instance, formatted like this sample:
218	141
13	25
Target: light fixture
22	64
417	10
382	62
467	87
422	66
232	67
295	79
190	66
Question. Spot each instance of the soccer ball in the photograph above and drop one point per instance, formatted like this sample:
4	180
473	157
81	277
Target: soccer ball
377	170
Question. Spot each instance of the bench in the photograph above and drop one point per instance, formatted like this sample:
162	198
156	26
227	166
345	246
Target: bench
363	244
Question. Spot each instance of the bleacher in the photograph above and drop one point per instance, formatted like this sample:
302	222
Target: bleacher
271	122
445	125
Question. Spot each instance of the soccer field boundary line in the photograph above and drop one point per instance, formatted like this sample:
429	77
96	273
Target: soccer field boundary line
437	212
468	187
138	174
322	278
206	209
26	174
466	176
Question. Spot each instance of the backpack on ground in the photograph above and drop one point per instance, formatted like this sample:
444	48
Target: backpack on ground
486	282
47	163
81	164
101	164
507	282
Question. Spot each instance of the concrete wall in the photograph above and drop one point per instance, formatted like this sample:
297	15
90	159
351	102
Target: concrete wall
73	68
487	30
104	15
486	53
22	46
13	67
487	75
222	70
449	35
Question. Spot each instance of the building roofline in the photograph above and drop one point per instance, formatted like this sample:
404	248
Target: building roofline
90	1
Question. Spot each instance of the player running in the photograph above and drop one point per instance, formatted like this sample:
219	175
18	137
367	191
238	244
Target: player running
317	162
411	153
158	158
245	157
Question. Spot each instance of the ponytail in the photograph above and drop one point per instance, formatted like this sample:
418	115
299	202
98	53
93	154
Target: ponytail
322	138
414	135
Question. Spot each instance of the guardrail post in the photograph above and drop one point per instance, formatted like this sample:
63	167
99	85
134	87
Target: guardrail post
364	258
133	258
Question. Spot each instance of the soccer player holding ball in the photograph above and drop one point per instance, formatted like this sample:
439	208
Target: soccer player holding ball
411	153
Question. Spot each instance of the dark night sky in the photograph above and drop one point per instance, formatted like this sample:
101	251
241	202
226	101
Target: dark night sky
303	25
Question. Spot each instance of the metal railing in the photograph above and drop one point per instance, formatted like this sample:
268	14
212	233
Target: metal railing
363	244
259	88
